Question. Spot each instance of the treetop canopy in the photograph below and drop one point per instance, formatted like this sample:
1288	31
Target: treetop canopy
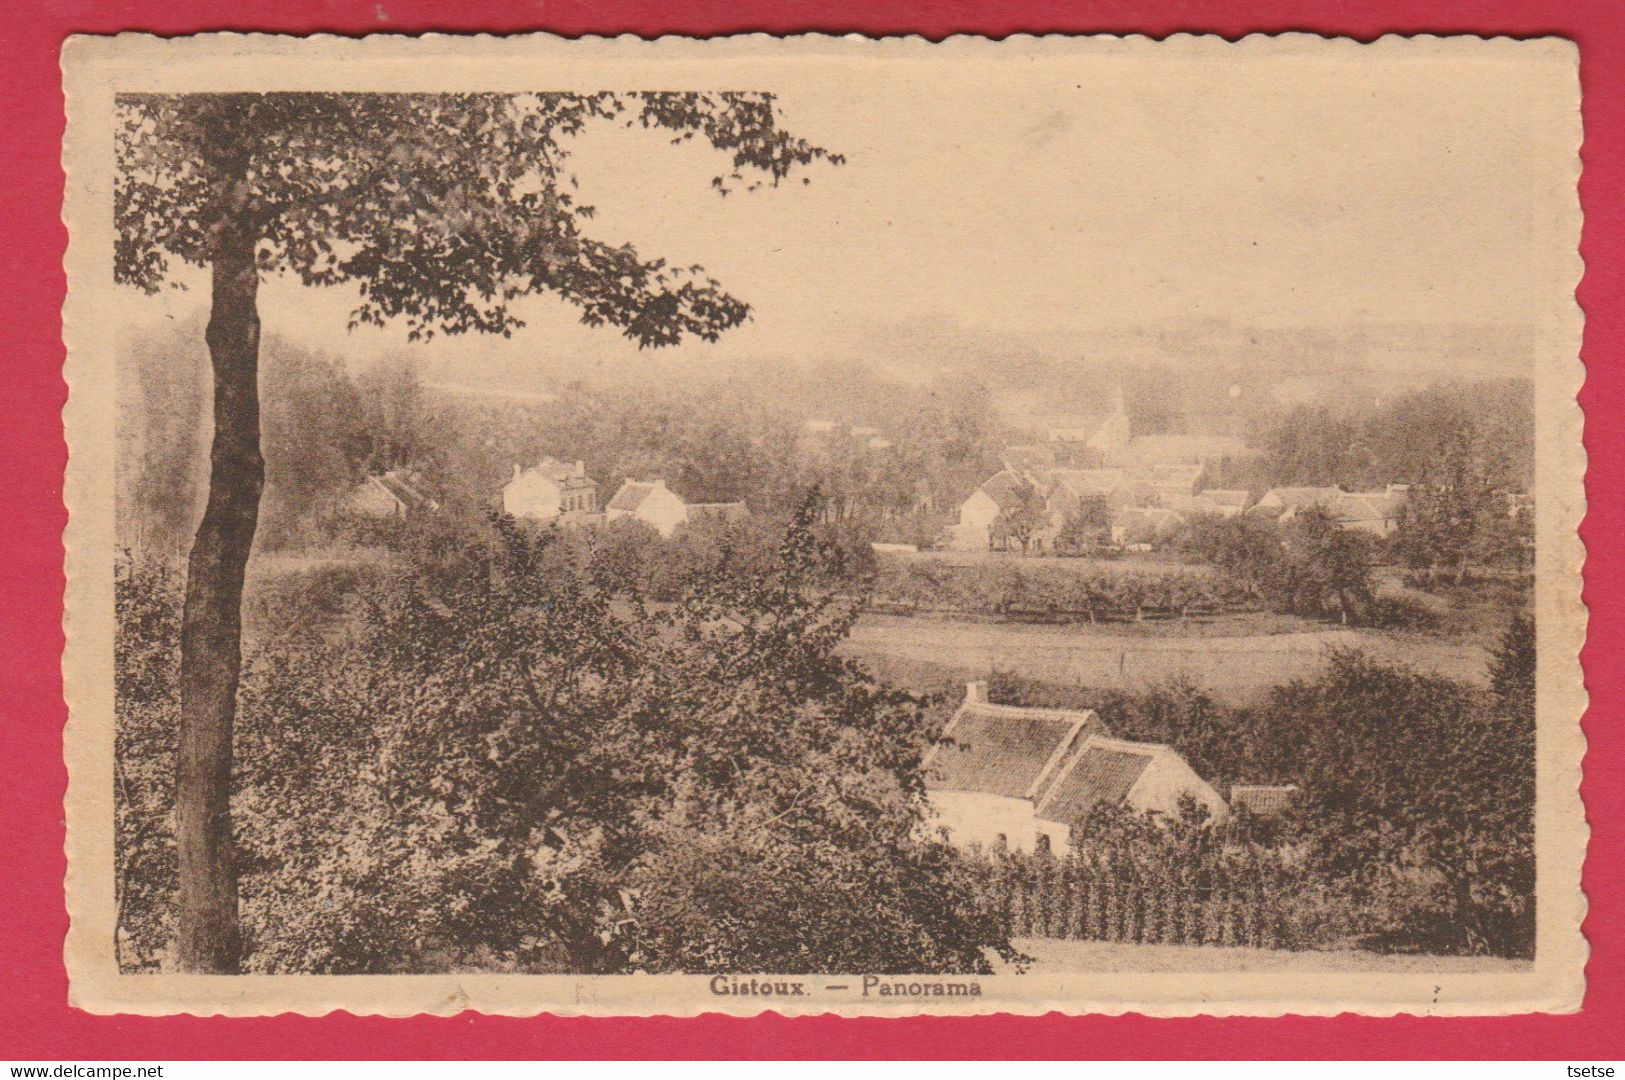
444	208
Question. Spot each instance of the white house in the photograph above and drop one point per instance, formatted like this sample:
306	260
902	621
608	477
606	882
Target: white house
1004	776
978	512
548	490
651	502
987	771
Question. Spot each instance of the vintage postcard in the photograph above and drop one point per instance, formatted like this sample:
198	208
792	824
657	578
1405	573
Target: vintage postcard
823	525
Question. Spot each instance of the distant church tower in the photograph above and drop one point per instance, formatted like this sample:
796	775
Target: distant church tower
1113	436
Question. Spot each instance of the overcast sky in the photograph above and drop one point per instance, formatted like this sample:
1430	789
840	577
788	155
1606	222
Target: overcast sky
1309	190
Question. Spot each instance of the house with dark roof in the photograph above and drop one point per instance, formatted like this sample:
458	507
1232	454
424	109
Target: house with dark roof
1102	771
1020	778
981	508
991	764
656	505
396	493
651	502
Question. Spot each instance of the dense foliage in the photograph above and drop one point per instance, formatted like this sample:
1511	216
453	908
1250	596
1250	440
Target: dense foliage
1415	437
486	756
1415	819
1309	566
1060	589
1174	881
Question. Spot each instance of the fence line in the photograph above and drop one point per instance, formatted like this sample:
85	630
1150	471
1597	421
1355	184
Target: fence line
1104	614
1091	900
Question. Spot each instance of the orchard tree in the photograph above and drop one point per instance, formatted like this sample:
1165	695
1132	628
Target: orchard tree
1328	567
1087	523
1023	519
442	209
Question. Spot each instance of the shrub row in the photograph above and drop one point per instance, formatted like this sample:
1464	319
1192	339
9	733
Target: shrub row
1005	587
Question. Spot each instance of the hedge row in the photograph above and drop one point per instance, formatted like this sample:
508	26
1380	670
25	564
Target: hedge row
1004	587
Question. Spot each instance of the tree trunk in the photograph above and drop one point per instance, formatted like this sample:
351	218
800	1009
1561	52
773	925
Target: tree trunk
211	624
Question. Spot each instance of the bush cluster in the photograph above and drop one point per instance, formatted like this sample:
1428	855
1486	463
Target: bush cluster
485	754
1005	586
1414	823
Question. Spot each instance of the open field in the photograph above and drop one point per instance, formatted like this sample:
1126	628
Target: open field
1051	955
1235	666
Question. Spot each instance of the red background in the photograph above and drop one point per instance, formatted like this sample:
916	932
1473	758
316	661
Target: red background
35	1022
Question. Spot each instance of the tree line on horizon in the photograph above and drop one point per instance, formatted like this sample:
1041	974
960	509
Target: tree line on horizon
326	428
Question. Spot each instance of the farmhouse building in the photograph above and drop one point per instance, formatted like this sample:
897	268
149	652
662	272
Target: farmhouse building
662	509
651	502
1020	778
397	493
977	513
1374	512
1146	526
549	490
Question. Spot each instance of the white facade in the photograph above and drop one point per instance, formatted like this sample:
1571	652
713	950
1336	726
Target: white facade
988	821
548	490
976	516
651	502
1011	777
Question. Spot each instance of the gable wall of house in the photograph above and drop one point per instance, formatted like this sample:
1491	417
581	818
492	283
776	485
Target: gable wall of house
373	499
662	509
971	817
1166	780
978	511
534	495
659	507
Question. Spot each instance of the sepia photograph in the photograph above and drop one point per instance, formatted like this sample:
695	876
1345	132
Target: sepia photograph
864	526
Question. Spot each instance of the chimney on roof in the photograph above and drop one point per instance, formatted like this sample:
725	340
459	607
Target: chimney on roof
516	470
581	468
976	692
658	481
